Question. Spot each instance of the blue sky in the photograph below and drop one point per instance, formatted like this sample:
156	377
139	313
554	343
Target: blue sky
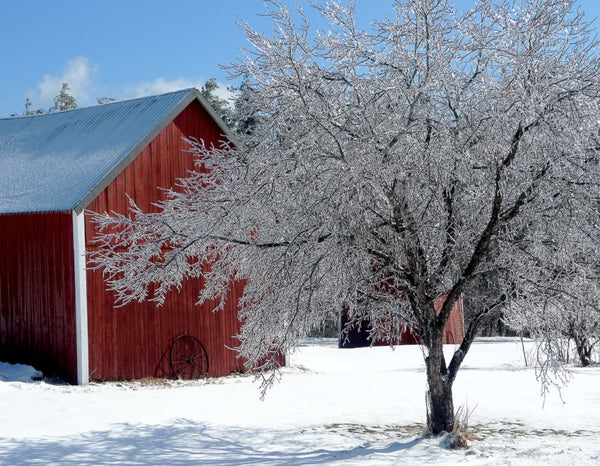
129	48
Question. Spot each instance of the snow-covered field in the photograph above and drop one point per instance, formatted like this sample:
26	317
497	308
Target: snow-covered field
352	406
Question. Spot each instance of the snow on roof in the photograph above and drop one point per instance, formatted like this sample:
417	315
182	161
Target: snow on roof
61	161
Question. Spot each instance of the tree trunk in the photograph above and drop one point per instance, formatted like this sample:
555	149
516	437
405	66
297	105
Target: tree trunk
440	406
584	351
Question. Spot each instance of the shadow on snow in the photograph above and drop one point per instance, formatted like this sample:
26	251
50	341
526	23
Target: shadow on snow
186	442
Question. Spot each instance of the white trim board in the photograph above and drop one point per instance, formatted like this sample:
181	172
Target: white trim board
80	298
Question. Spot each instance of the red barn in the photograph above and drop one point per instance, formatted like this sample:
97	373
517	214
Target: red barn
54	312
358	337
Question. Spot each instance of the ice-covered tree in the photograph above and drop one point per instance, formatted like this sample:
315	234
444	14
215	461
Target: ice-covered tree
433	152
64	100
569	311
28	111
105	100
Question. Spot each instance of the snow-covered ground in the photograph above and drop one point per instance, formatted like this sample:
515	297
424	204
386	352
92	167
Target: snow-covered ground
332	406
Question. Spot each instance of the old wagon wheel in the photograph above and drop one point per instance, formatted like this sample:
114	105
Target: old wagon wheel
188	357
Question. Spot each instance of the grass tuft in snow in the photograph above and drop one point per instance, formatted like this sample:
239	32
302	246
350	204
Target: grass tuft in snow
383	431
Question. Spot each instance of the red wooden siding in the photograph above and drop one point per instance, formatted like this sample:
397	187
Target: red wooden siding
37	295
134	341
454	329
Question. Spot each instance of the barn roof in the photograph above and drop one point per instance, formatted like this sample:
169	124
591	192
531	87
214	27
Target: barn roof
61	161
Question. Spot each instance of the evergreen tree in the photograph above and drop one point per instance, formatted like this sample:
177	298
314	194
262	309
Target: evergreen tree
28	111
105	100
245	115
221	106
64	100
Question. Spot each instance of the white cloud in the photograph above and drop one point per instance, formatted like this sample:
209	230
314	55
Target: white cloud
78	73
225	93
162	86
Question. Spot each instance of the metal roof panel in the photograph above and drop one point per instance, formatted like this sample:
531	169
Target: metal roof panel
60	161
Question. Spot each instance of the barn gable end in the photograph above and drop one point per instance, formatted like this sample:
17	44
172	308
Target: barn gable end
135	341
